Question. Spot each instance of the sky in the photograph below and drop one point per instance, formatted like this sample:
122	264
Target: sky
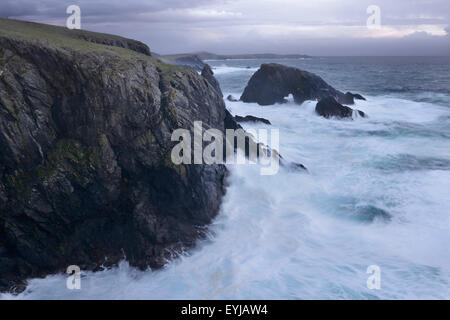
313	27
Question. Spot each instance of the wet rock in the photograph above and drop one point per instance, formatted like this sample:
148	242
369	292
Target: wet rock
208	74
349	98
251	119
371	213
294	166
356	96
232	98
328	107
273	82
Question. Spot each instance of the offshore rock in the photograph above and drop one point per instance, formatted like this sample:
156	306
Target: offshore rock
329	107
272	83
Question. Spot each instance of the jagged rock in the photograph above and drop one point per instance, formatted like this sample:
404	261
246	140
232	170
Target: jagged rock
356	96
294	166
349	98
232	98
86	176
208	74
273	82
328	107
190	61
230	123
251	119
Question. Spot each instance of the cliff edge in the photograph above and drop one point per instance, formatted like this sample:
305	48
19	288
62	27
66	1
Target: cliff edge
85	137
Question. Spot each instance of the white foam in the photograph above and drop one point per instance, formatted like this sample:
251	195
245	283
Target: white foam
292	235
226	69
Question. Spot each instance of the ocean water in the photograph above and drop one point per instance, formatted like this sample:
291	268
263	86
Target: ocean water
377	193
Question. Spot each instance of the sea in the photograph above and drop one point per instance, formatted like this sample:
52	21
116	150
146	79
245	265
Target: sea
370	219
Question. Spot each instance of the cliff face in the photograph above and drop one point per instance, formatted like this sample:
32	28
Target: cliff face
190	61
85	142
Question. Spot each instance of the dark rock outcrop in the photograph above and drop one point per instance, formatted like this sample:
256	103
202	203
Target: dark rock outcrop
232	99
230	123
296	167
356	96
190	61
86	175
329	107
273	82
208	74
251	119
349	98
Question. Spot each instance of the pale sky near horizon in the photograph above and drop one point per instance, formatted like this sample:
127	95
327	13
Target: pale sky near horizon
314	27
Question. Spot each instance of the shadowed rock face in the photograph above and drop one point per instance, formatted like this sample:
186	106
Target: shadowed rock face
208	74
273	82
251	119
85	170
329	107
190	61
231	98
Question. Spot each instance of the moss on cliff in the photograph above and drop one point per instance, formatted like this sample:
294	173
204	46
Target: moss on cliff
71	153
75	39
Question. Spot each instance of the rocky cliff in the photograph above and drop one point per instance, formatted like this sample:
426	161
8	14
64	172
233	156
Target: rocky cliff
85	137
190	61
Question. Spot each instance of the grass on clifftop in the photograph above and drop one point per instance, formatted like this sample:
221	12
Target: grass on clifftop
62	37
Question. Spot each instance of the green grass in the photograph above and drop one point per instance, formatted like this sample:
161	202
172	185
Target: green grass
61	37
64	38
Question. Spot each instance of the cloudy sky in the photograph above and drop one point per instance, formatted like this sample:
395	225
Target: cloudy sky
315	27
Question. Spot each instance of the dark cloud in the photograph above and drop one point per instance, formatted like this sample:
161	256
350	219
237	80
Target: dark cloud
322	27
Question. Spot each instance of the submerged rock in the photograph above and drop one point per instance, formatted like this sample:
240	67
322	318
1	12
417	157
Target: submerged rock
230	123
208	74
232	98
371	213
356	96
86	176
349	98
294	166
273	82
251	119
329	107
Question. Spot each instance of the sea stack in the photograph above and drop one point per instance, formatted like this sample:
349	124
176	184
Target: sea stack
273	82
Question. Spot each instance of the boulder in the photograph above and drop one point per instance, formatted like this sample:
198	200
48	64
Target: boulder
232	98
349	98
328	107
273	82
208	74
251	119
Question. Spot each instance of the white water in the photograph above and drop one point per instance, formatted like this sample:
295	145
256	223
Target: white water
301	236
296	235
